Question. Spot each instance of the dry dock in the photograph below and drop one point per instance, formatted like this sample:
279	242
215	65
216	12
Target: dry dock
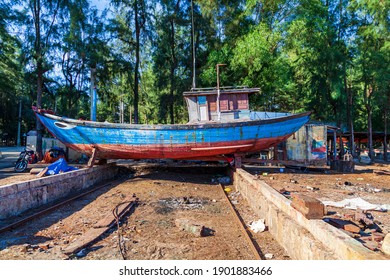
182	212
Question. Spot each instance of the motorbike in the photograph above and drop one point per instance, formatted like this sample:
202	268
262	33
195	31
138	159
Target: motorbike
25	157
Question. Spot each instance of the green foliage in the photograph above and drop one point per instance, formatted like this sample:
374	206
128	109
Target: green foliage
372	58
304	55
10	78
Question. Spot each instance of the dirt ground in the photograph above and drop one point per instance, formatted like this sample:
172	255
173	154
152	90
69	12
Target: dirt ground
16	178
150	232
369	182
168	194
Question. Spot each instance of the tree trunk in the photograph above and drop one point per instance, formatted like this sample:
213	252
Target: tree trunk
40	70
370	144
367	95
349	93
352	130
385	137
39	105
137	61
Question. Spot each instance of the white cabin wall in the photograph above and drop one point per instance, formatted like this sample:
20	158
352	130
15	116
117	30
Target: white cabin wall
192	107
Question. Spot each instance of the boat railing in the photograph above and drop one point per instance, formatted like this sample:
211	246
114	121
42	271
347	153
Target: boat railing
221	88
256	115
227	89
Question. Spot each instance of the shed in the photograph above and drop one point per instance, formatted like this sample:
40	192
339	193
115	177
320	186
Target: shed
308	144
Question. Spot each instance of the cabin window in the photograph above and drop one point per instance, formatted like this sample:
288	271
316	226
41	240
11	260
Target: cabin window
233	102
212	100
224	103
202	100
242	102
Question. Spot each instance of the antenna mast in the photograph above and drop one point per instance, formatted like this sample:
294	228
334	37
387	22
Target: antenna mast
193	45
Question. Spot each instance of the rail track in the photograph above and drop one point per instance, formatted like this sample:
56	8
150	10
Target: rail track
134	228
48	210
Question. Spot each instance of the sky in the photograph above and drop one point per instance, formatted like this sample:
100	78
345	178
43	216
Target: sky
100	4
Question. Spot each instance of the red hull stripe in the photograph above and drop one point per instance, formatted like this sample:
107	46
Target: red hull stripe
220	148
178	151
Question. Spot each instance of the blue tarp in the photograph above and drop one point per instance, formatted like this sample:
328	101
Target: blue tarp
59	166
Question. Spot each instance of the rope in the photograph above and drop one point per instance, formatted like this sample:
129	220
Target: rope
121	241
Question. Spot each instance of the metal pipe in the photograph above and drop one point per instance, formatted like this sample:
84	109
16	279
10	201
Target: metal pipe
218	92
193	46
93	95
94	105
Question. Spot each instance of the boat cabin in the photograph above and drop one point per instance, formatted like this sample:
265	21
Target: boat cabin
223	104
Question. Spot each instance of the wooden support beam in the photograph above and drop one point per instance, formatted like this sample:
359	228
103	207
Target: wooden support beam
88	238
276	162
99	229
284	150
237	161
109	219
344	224
91	161
276	152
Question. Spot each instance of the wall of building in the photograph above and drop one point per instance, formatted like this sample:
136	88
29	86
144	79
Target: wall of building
308	144
231	106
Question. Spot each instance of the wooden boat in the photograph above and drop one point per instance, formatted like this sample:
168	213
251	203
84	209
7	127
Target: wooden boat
237	131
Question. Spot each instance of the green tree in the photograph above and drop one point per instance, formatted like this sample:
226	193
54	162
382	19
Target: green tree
10	75
131	26
42	19
373	57
84	50
173	29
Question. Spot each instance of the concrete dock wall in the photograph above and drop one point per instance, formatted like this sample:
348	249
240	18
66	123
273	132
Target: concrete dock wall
303	239
19	197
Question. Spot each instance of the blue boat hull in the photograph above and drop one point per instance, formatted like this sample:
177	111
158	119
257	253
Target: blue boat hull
126	141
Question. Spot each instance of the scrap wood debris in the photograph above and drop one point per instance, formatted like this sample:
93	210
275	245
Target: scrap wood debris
359	187
381	172
361	226
100	228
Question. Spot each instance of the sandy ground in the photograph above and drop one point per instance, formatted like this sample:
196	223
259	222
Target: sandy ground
150	232
369	182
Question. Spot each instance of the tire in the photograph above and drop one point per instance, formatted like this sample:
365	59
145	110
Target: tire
21	166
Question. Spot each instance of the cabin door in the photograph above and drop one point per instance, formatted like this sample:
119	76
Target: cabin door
203	114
